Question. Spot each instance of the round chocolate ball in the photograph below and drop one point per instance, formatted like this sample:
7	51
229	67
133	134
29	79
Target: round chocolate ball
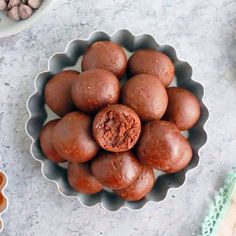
116	128
105	55
140	188
95	89
58	92
163	147
183	108
46	142
116	170
183	162
146	95
152	62
81	178
72	138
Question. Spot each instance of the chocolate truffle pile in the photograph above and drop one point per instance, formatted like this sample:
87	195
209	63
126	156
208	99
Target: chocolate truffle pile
113	136
19	9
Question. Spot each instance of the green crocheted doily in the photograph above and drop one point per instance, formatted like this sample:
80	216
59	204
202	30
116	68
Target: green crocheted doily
219	206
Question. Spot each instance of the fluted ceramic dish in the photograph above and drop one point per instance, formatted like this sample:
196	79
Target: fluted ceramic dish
9	27
71	58
3	198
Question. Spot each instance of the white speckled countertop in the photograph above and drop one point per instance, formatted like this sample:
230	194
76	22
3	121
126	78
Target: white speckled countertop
202	32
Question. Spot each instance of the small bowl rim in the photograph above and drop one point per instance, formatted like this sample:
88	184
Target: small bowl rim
18	26
2	191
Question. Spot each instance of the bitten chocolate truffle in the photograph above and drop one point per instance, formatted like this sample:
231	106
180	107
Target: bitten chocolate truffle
183	108
152	62
72	138
140	188
116	170
116	128
58	92
146	95
163	147
95	89
81	178
46	142
105	55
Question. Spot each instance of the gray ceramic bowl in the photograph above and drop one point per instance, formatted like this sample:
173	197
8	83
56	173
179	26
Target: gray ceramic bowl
71	58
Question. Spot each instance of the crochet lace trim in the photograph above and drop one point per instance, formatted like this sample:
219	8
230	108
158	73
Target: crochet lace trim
219	206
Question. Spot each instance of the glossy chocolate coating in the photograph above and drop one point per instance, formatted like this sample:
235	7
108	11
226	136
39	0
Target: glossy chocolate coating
81	178
183	108
163	147
105	55
116	170
95	89
152	62
116	128
140	188
58	92
72	138
46	142
146	95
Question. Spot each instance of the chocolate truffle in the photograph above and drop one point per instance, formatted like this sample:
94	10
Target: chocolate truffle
116	170
72	138
116	128
152	62
146	95
105	55
163	147
46	142
81	178
183	108
140	188
58	92
95	89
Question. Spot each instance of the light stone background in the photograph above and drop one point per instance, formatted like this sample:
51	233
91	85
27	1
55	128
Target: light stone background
202	32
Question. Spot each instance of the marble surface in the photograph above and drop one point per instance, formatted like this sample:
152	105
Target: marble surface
202	32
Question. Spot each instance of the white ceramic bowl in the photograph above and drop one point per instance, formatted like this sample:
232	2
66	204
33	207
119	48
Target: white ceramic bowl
9	27
4	200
